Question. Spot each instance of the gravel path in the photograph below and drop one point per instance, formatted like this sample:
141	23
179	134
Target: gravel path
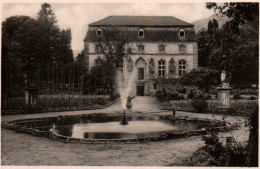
24	149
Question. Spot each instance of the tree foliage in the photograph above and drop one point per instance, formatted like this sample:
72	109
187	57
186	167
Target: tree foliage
202	78
115	47
234	47
33	46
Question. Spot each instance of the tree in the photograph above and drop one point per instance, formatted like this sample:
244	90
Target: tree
234	40
210	27
114	45
203	78
215	24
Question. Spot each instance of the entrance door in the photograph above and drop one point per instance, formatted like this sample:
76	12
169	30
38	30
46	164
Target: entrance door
140	90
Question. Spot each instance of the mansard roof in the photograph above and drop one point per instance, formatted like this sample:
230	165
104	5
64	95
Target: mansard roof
156	28
161	21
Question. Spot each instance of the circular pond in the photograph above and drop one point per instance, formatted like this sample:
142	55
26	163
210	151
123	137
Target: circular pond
107	127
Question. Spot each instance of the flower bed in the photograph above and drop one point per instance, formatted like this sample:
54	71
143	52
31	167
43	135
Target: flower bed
237	107
54	104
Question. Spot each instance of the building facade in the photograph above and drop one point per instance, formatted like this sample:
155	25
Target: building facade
161	47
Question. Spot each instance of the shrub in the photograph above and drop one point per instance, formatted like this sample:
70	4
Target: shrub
182	90
191	94
181	97
199	103
174	96
252	98
237	96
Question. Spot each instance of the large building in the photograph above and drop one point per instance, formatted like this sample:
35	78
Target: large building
162	47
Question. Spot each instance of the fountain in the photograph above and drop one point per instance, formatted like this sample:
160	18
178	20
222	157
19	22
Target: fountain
125	83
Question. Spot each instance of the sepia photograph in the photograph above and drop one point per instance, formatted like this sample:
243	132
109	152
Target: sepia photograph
122	83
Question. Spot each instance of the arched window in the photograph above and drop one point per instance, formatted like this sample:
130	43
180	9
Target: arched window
171	67
161	68
182	67
182	33
99	32
141	33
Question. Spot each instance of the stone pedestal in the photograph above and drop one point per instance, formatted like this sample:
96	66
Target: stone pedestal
31	96
224	97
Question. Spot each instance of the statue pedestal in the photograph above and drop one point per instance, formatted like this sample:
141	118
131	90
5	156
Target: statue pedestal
31	96
224	97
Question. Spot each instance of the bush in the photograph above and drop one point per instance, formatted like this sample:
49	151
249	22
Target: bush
252	98
174	96
199	103
191	94
216	153
237	96
182	90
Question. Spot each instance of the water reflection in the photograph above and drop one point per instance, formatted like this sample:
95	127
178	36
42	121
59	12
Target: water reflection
108	127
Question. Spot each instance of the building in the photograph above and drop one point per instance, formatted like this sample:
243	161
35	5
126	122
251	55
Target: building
162	47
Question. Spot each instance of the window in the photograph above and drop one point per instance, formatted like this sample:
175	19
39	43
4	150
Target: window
140	48
161	68
121	65
182	33
99	32
98	49
182	67
161	48
141	33
140	73
182	48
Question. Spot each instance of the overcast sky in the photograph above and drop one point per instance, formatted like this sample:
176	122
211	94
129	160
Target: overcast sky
77	16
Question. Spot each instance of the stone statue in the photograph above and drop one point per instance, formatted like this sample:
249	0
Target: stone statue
129	102
151	67
130	64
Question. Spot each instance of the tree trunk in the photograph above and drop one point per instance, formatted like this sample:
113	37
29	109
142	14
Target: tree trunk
252	159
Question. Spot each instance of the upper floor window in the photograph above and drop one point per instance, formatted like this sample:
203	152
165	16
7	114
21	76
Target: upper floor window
182	67
182	33
182	48
98	49
161	68
141	33
99	32
140	48
161	48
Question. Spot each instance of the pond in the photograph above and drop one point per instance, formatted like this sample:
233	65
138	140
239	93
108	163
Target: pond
107	126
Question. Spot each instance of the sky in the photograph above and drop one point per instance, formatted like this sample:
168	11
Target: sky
77	16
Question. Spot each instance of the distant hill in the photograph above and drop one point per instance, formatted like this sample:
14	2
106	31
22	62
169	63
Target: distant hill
203	23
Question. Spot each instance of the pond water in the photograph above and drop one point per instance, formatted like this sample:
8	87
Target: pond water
109	127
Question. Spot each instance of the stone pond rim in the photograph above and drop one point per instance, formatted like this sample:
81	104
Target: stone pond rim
14	125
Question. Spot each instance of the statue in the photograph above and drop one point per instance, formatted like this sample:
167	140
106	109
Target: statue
129	102
224	79
130	65
151	67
